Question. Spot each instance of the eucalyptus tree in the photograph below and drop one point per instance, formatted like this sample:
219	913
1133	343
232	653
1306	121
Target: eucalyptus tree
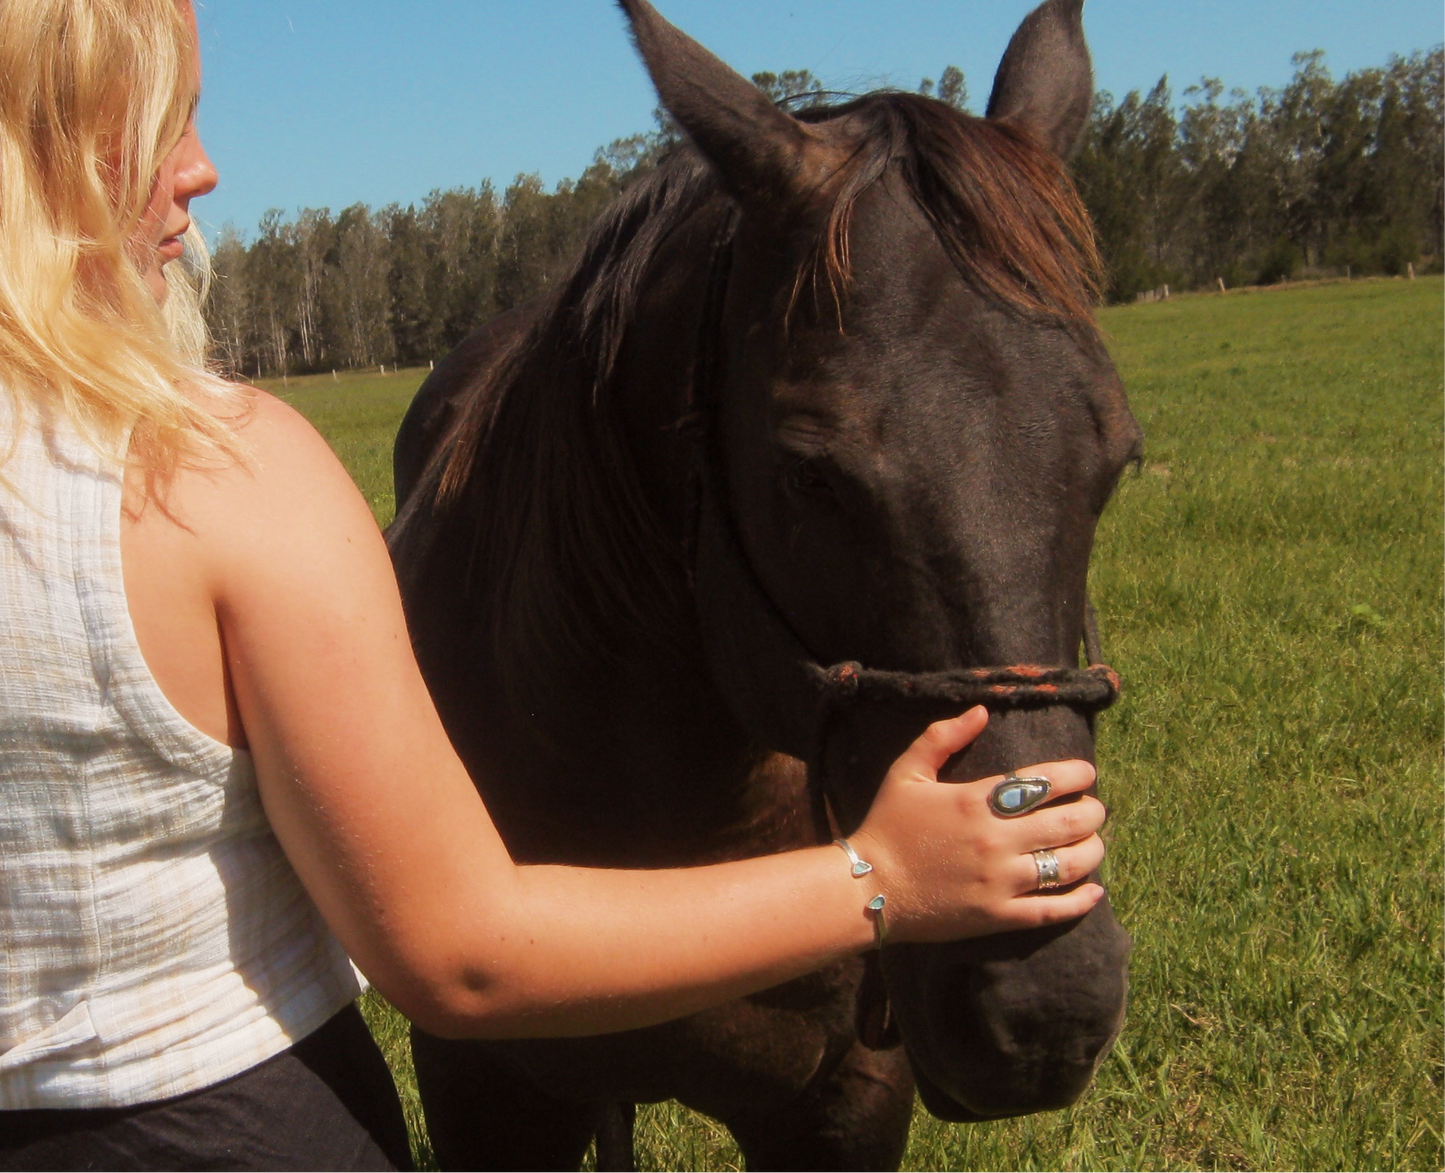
313	237
275	292
951	88
356	297
228	308
462	227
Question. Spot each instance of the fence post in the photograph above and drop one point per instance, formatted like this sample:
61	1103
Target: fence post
1221	283
334	379
1410	269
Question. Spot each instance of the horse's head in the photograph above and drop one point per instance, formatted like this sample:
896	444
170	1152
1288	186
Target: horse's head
915	428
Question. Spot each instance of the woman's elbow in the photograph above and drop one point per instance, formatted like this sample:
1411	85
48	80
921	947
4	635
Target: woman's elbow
451	1002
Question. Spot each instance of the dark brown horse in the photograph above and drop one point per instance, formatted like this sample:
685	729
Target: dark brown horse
823	391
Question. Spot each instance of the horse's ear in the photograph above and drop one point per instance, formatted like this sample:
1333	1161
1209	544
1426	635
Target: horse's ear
1045	82
768	159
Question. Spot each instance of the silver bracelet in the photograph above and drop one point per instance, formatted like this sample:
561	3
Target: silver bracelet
861	868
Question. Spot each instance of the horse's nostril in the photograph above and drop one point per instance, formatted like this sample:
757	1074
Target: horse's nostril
1012	1024
1029	1057
979	1098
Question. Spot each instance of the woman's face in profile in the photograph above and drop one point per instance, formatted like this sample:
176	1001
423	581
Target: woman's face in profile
185	173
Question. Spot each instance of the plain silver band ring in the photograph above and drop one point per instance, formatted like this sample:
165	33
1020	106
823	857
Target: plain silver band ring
1047	864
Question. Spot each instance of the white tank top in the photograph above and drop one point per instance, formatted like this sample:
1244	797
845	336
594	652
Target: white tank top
153	937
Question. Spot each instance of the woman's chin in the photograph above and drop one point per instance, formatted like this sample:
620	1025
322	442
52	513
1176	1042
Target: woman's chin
155	279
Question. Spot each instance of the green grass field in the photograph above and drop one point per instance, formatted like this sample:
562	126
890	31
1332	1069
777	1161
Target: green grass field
1270	588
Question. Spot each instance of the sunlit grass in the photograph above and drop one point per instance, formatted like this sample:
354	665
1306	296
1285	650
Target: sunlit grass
1270	588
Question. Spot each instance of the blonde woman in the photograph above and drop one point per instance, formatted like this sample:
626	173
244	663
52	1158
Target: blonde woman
221	777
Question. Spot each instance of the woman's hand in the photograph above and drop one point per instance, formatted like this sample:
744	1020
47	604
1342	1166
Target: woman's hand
951	868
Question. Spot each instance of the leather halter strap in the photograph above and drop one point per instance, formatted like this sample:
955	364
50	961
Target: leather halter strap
1020	686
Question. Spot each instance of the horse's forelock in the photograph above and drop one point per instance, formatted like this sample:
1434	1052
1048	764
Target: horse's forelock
1002	206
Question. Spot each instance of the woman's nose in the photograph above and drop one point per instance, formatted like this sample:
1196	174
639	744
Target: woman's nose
197	174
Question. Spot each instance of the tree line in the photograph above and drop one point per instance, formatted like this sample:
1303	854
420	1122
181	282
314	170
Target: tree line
1319	177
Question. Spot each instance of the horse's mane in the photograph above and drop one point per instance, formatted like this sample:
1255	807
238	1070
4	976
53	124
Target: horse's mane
558	525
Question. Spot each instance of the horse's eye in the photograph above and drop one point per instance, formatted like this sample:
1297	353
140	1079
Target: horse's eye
804	476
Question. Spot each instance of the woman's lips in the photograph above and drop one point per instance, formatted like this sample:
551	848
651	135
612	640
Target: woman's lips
174	245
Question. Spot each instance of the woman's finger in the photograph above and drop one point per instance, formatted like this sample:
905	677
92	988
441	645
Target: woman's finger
939	742
1064	778
1067	777
1075	862
1048	826
1028	913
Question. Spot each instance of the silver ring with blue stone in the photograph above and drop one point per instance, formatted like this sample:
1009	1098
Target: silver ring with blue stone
1017	795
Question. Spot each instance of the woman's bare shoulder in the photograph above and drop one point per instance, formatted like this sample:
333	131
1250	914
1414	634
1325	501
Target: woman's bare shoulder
225	538
277	437
284	462
283	510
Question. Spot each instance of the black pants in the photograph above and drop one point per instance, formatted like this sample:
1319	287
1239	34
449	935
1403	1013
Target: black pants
327	1103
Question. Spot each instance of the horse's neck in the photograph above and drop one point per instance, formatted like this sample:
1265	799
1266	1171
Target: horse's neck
634	747
630	740
629	737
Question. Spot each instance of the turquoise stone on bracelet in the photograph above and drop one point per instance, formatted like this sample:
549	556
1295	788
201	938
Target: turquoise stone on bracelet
861	867
880	926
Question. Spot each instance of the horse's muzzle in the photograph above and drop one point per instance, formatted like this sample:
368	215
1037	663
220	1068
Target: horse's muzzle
1014	1023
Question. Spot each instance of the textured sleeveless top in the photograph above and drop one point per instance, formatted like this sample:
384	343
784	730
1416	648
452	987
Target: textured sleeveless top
153	937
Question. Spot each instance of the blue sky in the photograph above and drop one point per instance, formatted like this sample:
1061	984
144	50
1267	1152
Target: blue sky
324	103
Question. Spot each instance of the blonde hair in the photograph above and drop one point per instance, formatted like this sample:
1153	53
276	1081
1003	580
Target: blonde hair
93	96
